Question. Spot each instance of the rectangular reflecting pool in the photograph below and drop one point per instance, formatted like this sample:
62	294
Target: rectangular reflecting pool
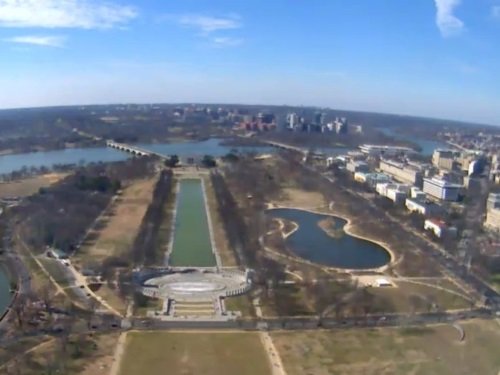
191	245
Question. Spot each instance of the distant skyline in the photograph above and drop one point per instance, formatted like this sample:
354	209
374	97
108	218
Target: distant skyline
428	58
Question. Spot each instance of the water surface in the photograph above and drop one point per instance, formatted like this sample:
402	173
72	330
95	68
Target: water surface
427	145
15	162
212	146
191	242
312	243
5	295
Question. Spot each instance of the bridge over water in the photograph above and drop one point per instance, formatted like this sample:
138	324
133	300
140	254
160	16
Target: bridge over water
134	150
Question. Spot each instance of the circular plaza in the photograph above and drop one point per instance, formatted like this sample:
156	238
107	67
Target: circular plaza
197	284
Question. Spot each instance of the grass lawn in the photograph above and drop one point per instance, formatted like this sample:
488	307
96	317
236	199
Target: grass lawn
495	280
57	270
84	355
29	186
242	304
403	298
419	351
112	297
159	353
122	226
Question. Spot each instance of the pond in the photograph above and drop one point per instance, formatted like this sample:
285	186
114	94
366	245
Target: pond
314	244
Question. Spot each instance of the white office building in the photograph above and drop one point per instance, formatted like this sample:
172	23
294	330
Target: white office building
439	228
401	172
440	189
379	150
395	192
421	207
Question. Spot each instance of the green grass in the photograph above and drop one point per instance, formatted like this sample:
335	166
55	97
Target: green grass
192	246
158	353
242	304
420	351
495	280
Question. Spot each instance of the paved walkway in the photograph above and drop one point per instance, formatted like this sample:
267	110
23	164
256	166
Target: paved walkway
81	280
271	351
120	347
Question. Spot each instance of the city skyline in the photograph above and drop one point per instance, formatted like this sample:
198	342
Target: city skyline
432	58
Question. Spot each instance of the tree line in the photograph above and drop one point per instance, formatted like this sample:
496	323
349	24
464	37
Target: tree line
144	249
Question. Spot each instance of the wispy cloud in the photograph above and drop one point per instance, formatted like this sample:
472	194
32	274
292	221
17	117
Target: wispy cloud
38	40
221	42
448	24
85	14
208	24
495	11
214	29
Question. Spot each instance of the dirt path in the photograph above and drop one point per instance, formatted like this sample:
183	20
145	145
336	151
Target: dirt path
119	352
81	280
60	290
271	351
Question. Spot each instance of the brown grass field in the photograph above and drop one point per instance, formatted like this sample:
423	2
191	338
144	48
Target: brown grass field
400	298
29	186
122	226
193	353
302	199
95	357
418	351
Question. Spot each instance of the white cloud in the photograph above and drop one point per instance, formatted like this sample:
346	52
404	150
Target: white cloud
38	40
495	11
221	42
208	24
447	22
85	14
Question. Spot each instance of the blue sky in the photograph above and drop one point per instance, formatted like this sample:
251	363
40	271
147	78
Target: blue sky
436	58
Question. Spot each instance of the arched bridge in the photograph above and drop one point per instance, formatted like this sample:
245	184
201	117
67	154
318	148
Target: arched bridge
134	150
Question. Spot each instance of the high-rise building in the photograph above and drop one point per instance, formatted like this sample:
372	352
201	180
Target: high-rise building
292	120
319	118
341	125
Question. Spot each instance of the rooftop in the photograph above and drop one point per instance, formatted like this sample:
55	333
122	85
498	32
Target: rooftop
441	183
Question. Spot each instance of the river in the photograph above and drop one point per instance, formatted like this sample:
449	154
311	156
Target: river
312	243
212	146
427	145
